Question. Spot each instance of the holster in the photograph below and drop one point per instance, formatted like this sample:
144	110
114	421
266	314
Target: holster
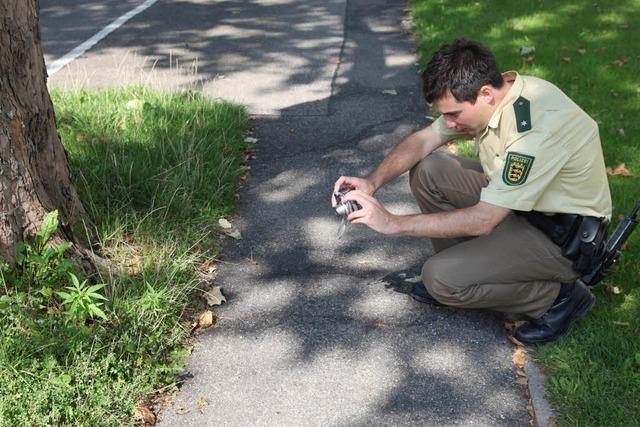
582	239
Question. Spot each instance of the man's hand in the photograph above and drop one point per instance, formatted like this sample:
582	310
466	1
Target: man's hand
372	214
352	183
476	220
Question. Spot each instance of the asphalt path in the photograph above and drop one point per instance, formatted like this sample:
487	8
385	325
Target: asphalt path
66	24
310	336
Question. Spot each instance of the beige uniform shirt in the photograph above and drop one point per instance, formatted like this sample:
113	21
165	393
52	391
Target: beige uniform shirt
541	152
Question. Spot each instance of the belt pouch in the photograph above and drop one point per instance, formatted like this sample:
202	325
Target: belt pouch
586	246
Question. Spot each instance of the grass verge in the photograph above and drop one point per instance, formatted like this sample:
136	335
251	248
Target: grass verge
587	49
155	172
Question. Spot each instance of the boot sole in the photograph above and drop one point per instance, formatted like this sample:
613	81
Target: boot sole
426	300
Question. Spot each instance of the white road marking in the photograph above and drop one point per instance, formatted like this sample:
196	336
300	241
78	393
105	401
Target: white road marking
79	50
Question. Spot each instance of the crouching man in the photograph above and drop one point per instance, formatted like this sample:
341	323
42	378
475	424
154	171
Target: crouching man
499	226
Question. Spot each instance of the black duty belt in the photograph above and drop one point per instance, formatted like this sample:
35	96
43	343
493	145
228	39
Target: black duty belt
582	239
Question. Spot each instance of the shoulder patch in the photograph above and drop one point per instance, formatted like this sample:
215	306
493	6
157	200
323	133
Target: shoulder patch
516	168
522	108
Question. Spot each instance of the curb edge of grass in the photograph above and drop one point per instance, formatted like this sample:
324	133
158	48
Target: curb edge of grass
542	410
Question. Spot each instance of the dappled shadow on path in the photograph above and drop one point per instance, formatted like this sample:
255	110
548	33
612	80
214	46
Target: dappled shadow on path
309	332
307	318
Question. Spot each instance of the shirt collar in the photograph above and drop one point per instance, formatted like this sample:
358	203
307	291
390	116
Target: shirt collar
510	97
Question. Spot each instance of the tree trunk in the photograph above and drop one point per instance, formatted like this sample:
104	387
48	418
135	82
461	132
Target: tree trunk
34	174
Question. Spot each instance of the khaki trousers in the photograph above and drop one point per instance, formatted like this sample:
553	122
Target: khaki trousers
516	269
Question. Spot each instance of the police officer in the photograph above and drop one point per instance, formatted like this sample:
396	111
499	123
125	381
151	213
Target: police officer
538	153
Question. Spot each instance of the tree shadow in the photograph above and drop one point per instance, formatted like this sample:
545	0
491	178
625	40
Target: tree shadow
292	286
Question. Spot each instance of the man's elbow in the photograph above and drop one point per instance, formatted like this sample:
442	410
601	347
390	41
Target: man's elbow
483	229
486	228
491	217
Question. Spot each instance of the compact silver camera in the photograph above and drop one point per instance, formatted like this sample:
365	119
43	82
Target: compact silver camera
344	208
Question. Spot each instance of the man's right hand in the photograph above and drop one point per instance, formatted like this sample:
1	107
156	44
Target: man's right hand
353	183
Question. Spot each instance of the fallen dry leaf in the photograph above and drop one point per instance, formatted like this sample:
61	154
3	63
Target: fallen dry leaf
232	232
206	319
515	341
530	411
194	326
145	415
520	373
621	169
620	323
209	266
182	411
614	93
582	51
224	223
214	296
202	403
380	325
619	62
566	59
614	289
621	132
521	381
519	357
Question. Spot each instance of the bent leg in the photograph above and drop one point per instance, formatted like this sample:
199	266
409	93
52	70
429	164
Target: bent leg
442	182
515	269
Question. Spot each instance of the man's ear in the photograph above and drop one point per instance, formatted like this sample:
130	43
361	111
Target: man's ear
487	94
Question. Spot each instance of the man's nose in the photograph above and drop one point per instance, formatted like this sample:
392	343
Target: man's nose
450	123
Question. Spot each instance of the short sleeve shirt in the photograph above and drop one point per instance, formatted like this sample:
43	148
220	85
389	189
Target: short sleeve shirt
541	152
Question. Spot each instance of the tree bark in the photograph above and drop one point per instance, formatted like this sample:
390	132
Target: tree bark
34	173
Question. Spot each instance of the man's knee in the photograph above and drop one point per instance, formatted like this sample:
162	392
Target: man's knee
436	281
424	175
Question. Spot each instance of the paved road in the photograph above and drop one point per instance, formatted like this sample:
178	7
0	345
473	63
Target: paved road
310	336
67	23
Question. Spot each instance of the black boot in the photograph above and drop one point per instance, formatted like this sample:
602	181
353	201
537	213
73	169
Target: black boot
419	293
573	302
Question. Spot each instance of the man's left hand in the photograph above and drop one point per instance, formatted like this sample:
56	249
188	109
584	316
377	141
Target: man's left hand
372	214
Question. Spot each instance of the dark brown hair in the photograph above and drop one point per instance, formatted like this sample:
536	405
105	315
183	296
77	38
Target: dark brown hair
462	67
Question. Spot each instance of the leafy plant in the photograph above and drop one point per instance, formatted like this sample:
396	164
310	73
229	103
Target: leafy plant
38	265
153	301
82	301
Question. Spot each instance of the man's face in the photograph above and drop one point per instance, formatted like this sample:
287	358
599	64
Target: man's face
464	116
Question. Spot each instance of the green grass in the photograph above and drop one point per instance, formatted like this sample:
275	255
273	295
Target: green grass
155	173
589	50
